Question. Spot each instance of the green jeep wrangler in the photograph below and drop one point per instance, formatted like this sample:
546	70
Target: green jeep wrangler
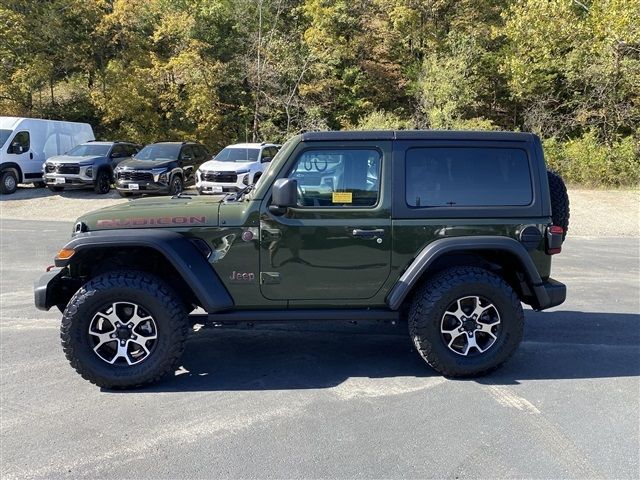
447	231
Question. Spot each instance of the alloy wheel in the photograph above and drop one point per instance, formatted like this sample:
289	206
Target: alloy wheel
123	333
470	326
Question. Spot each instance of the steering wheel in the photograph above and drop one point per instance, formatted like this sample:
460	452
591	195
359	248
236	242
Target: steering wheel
326	164
308	164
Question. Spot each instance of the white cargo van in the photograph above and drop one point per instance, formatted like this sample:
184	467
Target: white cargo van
25	143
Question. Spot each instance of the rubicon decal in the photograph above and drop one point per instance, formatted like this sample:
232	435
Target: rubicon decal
151	221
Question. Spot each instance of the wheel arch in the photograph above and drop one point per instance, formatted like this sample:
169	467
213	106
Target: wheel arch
171	256
498	254
12	166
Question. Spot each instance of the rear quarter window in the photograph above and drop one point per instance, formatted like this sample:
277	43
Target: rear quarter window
467	177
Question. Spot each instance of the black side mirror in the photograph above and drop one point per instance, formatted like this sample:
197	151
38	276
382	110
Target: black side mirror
266	159
284	195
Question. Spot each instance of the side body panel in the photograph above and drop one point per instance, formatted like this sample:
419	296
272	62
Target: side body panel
310	256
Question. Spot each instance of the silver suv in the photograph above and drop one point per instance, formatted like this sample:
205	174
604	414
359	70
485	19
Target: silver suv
89	164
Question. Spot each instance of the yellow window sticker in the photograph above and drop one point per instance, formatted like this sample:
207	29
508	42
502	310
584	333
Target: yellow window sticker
342	197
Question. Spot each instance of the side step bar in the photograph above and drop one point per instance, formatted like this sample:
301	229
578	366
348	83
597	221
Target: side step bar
301	315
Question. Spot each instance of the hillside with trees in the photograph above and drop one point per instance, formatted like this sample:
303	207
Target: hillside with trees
222	71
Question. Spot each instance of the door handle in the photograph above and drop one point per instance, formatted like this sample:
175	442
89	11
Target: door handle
31	155
375	233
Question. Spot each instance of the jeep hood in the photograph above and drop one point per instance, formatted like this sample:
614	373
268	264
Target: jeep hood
157	212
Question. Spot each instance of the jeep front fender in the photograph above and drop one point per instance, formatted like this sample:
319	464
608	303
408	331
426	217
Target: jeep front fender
183	255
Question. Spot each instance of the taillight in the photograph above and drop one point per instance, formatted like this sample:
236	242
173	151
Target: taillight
554	239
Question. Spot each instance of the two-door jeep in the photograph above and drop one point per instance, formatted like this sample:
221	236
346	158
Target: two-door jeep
448	231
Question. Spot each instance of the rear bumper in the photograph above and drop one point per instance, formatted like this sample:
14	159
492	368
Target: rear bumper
550	293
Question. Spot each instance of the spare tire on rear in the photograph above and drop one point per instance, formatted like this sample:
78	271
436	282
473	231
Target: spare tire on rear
559	201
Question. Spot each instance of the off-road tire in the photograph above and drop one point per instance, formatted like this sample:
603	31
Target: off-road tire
431	300
144	289
102	184
8	182
55	189
559	201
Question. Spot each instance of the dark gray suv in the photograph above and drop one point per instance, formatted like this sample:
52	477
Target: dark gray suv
89	164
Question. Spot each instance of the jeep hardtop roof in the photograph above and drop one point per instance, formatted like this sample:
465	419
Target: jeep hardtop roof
417	135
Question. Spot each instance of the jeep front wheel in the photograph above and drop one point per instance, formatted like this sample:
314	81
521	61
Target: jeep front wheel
124	329
466	321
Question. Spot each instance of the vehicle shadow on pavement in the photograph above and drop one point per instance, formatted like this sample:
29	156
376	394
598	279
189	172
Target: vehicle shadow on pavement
557	345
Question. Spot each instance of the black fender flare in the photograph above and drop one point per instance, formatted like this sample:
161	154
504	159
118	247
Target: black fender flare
185	257
12	166
443	246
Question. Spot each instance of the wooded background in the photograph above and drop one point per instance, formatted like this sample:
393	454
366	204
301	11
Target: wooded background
221	71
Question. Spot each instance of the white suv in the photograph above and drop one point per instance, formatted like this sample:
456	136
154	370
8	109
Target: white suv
235	167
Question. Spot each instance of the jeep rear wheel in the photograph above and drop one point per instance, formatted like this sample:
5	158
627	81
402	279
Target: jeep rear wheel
466	321
124	329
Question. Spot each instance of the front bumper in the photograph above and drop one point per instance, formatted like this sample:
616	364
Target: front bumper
144	186
51	289
67	180
213	187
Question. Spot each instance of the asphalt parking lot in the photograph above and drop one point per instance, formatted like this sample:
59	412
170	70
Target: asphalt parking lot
336	401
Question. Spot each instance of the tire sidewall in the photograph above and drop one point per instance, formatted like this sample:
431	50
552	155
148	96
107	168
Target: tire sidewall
99	187
13	182
81	315
508	338
174	181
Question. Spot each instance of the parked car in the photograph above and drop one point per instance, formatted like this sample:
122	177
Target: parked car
235	167
89	164
25	143
164	167
448	232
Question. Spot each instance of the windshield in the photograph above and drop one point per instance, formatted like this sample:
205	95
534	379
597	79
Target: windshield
4	135
231	154
89	150
159	152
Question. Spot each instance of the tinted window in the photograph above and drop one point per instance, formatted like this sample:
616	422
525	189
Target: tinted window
159	151
338	178
131	149
22	139
202	152
458	177
187	151
119	151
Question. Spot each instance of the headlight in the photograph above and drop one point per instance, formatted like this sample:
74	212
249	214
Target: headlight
89	172
240	172
163	177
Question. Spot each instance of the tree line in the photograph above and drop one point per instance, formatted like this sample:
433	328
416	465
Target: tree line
222	71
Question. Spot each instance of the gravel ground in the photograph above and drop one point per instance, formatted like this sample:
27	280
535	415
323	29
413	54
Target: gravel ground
594	213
